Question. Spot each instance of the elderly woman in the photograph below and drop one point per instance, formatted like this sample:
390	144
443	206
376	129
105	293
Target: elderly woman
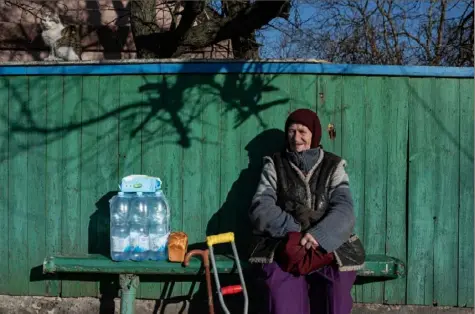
303	219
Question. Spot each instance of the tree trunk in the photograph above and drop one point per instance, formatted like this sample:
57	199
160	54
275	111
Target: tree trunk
244	47
239	26
145	31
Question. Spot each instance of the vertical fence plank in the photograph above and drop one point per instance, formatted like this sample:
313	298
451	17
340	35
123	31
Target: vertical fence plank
216	198
4	191
228	87
88	160
230	143
130	129
36	184
248	126
17	182
445	119
465	262
353	130
330	109
71	224
375	179
299	99
171	162
422	184
211	130
108	134
281	100
397	137
210	166
308	83
152	163
54	170
191	105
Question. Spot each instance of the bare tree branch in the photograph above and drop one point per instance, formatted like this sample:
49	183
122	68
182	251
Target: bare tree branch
384	32
240	20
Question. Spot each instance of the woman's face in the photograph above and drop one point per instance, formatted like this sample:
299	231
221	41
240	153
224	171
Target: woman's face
299	137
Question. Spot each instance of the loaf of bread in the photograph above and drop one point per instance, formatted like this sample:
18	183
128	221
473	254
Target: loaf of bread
177	246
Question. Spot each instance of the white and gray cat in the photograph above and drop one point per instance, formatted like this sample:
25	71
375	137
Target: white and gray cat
64	41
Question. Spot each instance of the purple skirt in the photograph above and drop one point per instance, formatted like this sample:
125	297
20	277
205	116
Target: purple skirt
327	291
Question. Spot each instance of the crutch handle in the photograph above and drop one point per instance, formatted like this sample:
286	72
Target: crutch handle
220	238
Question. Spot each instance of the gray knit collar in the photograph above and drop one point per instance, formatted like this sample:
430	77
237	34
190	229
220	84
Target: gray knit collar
304	160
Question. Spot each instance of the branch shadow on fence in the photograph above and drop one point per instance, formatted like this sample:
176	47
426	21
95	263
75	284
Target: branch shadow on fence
162	117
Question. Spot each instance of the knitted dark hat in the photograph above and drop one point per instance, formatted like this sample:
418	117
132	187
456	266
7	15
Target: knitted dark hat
296	259
310	119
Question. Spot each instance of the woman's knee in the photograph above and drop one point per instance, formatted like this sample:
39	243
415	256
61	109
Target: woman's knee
331	291
285	293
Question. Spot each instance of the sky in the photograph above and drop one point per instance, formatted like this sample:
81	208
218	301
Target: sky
307	10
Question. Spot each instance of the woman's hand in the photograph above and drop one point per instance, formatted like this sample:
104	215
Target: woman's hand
309	242
300	212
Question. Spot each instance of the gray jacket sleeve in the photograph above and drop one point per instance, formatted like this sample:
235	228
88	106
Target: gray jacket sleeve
265	215
337	225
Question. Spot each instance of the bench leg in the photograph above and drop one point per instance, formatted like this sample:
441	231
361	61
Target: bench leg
128	285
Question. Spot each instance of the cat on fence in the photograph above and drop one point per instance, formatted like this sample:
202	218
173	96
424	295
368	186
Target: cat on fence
64	41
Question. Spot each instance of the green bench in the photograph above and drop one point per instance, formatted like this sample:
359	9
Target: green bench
378	267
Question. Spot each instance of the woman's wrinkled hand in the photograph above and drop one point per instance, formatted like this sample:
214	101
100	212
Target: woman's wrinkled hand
309	242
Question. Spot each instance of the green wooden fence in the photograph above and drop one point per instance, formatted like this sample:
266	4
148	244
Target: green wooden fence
66	140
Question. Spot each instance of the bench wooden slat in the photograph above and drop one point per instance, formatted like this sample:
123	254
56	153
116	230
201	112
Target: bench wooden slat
375	266
100	264
382	266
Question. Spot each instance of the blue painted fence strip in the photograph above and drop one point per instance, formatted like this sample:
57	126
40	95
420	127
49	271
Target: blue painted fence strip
212	67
